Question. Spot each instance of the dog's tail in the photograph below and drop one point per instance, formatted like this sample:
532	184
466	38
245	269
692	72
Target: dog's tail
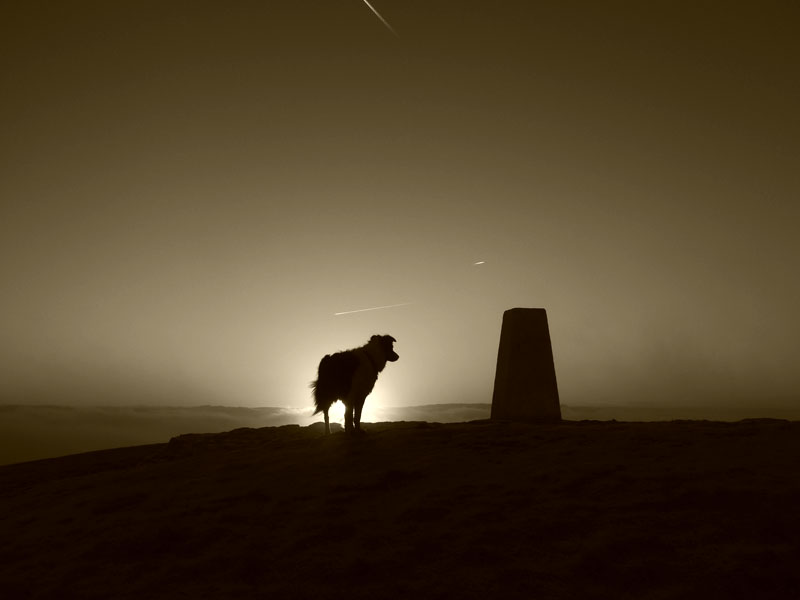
319	398
334	376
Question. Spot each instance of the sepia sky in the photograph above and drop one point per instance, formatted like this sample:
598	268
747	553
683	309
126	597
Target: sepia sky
191	190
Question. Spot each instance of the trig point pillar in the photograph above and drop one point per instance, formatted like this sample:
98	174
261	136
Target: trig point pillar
525	380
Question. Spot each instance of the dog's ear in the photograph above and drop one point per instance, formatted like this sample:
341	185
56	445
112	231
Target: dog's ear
391	338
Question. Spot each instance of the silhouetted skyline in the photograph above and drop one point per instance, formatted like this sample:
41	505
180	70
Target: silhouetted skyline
192	192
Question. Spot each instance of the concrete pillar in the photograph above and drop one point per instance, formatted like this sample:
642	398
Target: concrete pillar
525	380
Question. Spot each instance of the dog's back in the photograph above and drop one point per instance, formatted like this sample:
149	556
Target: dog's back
334	379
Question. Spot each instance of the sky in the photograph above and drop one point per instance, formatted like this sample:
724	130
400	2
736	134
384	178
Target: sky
192	190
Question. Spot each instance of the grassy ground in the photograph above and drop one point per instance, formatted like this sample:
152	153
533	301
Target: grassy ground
683	509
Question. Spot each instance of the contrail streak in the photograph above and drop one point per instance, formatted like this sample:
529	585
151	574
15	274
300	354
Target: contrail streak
350	312
377	14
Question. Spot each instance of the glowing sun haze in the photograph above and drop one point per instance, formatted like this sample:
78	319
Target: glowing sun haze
191	193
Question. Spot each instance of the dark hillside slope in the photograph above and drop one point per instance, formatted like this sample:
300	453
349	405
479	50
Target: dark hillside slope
690	509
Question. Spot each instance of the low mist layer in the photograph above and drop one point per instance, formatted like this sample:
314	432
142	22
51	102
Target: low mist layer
36	432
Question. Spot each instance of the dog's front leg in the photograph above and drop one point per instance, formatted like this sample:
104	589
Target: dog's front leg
359	406
327	422
348	417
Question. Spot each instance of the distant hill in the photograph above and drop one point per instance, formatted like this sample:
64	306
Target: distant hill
667	510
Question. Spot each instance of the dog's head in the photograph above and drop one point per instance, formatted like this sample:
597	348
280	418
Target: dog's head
386	343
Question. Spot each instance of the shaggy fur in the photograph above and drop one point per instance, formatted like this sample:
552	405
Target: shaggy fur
349	376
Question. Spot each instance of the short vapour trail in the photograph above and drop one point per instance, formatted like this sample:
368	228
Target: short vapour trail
377	14
360	310
371	308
